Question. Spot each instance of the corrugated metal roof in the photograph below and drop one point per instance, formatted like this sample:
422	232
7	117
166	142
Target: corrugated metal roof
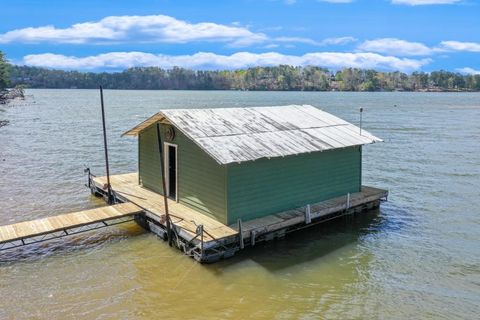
243	134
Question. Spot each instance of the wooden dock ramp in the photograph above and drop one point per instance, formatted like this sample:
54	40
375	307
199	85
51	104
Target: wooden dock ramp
28	232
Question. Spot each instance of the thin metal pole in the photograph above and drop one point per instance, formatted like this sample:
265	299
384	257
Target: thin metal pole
361	112
165	200
201	241
109	188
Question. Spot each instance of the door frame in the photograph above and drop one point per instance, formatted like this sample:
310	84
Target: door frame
166	172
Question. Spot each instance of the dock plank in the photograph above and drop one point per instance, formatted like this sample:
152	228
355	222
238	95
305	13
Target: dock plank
126	185
27	229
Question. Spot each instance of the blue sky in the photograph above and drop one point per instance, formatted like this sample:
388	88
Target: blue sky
405	35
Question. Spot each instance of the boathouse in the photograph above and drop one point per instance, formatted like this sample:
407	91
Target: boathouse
234	177
247	163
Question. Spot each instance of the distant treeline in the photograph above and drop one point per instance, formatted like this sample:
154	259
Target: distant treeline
280	78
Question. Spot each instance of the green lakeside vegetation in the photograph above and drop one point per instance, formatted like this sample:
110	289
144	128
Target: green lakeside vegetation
6	95
4	72
279	78
4	76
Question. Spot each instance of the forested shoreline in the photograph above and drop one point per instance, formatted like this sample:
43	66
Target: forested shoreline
279	78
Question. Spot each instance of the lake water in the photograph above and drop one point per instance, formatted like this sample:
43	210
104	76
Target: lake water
417	257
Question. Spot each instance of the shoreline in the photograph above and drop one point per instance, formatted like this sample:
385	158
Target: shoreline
6	95
229	90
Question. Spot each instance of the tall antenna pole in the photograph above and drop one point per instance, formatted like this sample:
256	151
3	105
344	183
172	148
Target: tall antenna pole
109	188
164	186
361	112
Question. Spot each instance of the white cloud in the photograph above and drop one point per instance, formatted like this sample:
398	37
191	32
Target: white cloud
468	70
396	47
271	46
338	41
206	60
324	42
153	28
424	2
460	46
275	28
336	1
297	40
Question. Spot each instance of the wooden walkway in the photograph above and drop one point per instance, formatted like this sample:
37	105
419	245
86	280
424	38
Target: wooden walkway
218	241
126	186
34	228
321	209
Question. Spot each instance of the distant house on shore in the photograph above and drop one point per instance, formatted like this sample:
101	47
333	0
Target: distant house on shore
246	163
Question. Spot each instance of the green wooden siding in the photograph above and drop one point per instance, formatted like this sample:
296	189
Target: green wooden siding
201	181
264	187
149	160
251	189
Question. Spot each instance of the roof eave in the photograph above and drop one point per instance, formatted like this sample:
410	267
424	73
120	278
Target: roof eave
135	131
229	162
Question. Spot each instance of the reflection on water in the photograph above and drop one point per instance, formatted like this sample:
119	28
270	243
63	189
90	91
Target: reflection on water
84	241
311	243
417	257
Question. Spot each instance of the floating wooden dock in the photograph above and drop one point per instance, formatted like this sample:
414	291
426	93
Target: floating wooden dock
196	234
34	231
127	189
208	240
